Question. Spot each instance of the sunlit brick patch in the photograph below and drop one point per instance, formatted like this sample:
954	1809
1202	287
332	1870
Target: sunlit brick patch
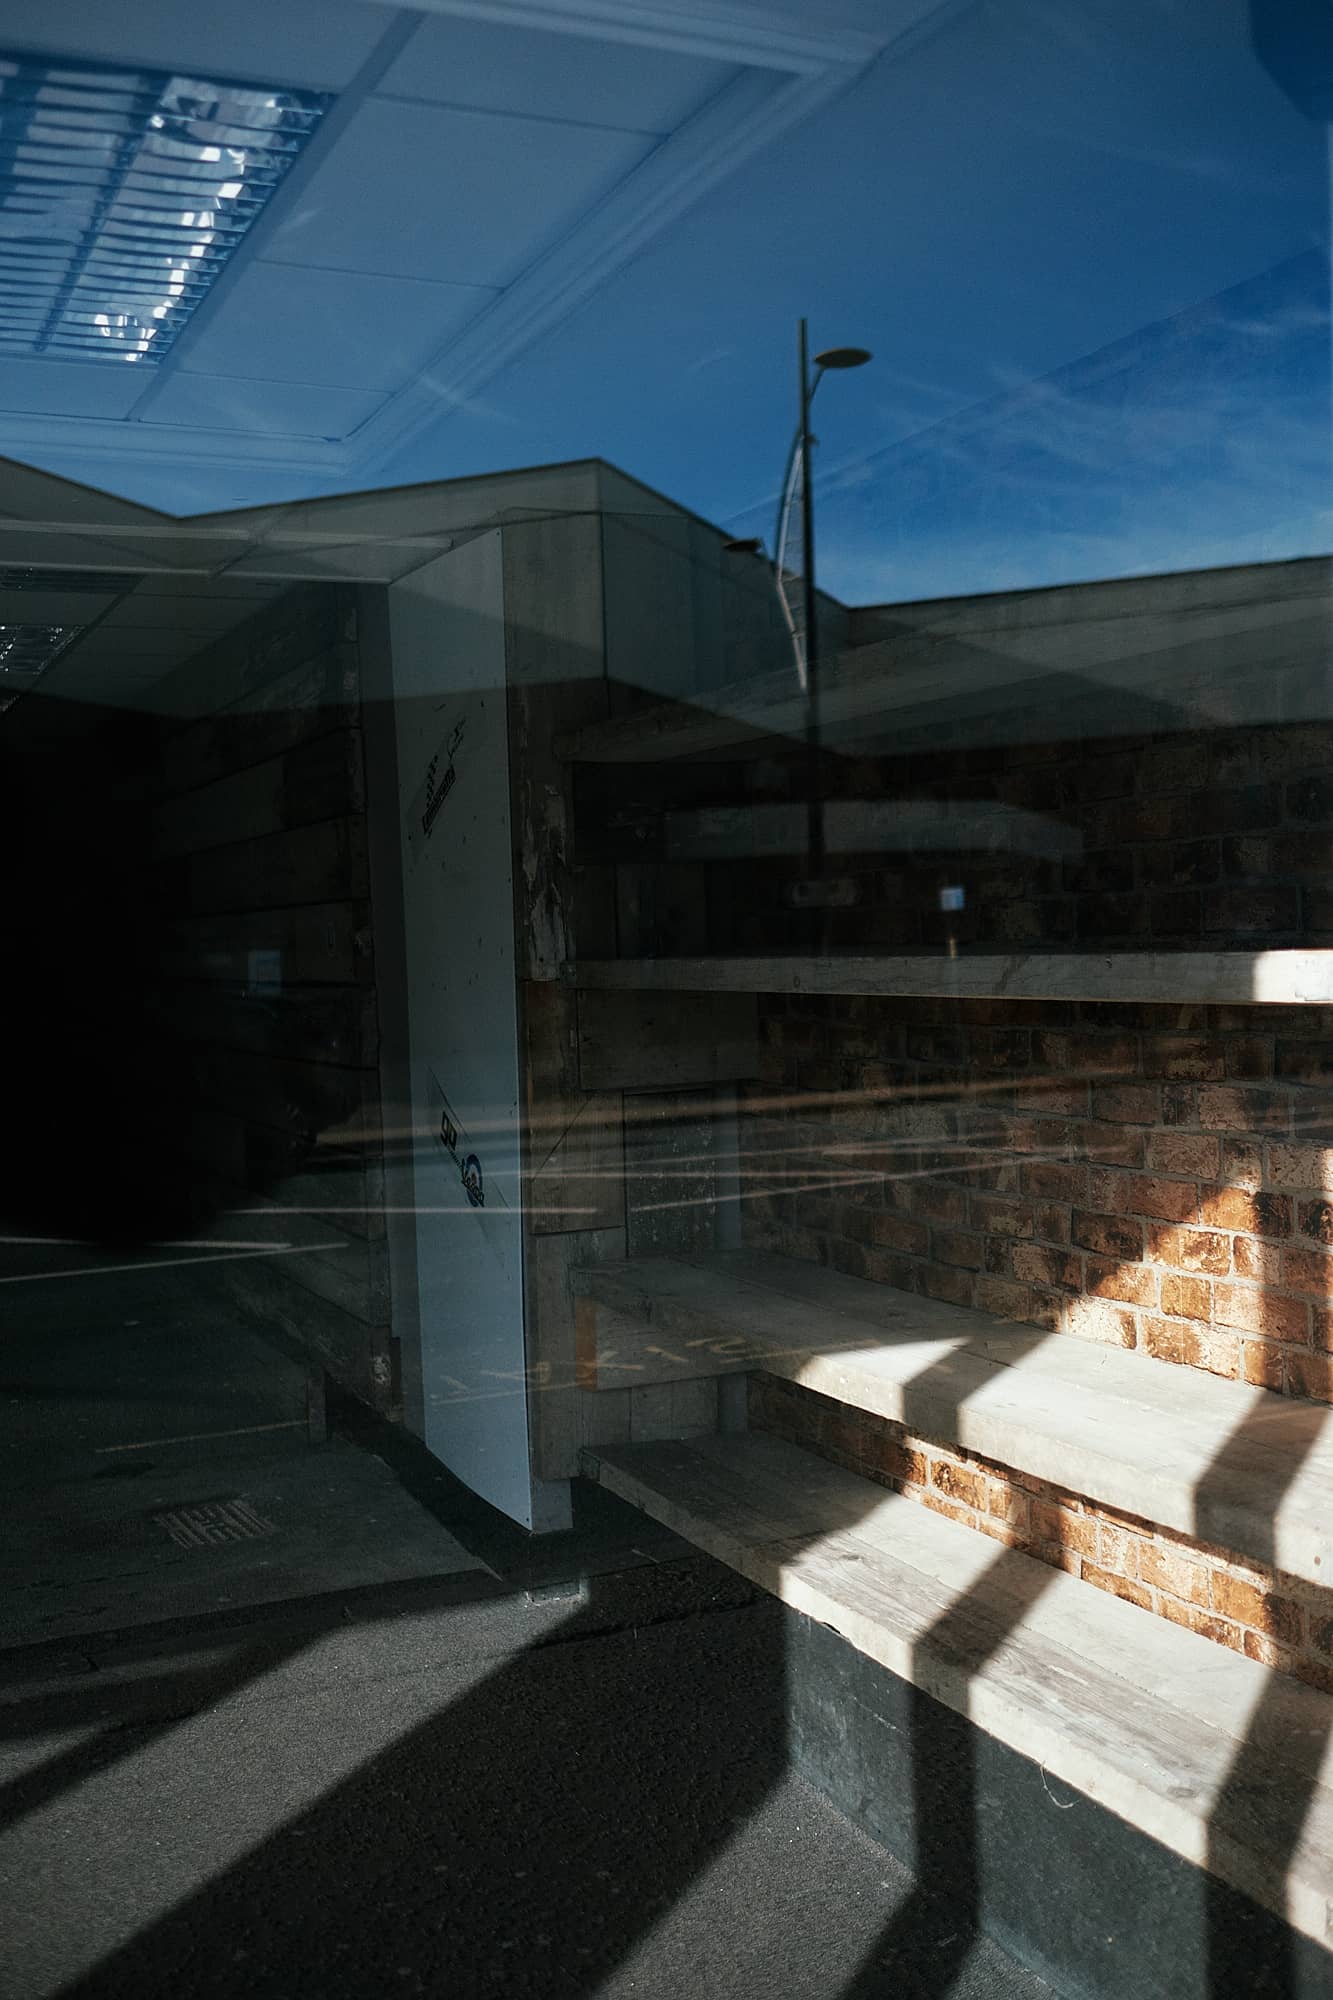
1277	1619
1157	1177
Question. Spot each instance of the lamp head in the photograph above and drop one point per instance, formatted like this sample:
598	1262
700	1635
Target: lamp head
843	357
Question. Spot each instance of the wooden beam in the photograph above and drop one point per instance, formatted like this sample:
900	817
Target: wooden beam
1210	978
1222	1461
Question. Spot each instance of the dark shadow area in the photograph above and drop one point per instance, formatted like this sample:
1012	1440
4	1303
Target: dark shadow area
938	1924
1279	1729
526	1836
98	1099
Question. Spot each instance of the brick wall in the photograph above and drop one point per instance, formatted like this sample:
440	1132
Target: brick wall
1159	1178
1156	1177
1280	1620
1203	840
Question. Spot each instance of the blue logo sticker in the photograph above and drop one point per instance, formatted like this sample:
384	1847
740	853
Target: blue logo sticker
472	1181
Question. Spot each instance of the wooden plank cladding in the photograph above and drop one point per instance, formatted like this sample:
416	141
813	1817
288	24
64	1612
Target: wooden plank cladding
264	972
317	781
641	1041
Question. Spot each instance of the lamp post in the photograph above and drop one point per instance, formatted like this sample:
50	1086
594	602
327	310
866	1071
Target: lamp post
808	666
803	442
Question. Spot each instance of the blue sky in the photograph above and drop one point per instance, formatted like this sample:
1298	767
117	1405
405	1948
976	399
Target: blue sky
1039	183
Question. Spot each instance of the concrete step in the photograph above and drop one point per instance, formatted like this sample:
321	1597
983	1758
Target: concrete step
1198	1749
1221	1461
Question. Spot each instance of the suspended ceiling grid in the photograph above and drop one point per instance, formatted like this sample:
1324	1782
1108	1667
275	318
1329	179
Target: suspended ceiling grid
481	167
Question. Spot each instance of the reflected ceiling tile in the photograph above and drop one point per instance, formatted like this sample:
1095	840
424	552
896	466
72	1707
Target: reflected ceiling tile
523	70
66	388
457	195
335	329
237	40
284	409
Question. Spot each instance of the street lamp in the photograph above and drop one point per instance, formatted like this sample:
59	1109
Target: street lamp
805	645
832	357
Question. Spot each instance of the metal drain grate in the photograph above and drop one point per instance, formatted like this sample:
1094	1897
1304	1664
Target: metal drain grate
212	1522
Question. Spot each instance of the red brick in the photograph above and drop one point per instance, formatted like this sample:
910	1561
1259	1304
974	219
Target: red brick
1095	1054
1316	1674
1262	1364
1132	1284
1187	1298
1180	1104
938	1202
1256	1259
883	1267
1308	1271
1110	1145
1191	1057
1166	1569
1173	1201
896	1461
1242	1163
1220	1353
1051	1222
1052	1095
1224	1108
1119	1586
1100	1319
1109	1235
1304	1167
1063	1527
1001	1217
1249	1056
1054	1180
1253	907
1258	1646
1316	1219
1309	1375
1255	1310
957	1247
890	1231
1002	1297
1263	1610
954	1288
1035	1264
1197	1155
1173	1340
1208	1626
1239	1208
1128	1103
1191	1250
959	1482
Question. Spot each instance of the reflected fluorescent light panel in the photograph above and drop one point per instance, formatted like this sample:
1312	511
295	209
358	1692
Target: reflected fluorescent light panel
27	646
124	193
26	651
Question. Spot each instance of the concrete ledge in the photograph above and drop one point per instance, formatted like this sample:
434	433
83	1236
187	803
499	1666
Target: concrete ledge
1211	978
1221	1461
1068	1888
1195	1747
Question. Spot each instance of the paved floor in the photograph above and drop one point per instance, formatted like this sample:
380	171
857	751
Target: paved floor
133	1405
459	1789
391	1744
